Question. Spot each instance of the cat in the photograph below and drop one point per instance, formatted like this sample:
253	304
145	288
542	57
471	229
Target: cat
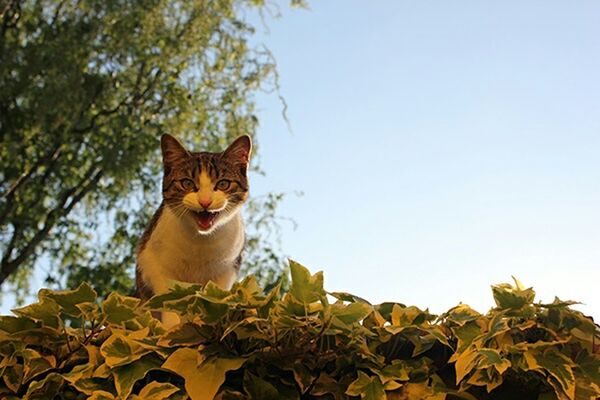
197	233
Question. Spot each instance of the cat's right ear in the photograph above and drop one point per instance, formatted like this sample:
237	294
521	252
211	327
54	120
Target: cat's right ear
172	149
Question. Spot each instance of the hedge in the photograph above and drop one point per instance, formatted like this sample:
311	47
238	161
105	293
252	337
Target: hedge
306	343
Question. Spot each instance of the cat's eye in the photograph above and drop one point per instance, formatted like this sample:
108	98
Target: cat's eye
187	184
223	184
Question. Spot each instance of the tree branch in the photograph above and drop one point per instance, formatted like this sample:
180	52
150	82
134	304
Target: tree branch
13	240
9	11
57	12
75	194
9	196
51	155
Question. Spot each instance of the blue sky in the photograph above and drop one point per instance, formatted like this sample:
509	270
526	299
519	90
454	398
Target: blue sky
441	147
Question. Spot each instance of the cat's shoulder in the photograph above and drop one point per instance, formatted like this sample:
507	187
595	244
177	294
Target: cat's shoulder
150	227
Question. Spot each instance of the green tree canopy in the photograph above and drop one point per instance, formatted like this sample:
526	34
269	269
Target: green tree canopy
86	89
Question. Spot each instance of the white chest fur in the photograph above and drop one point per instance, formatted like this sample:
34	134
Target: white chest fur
177	252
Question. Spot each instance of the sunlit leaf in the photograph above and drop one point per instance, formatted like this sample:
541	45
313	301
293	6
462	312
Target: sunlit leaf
203	377
367	387
305	287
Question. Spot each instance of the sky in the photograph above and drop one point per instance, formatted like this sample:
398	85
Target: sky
441	147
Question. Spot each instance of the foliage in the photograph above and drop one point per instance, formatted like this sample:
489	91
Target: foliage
304	344
86	89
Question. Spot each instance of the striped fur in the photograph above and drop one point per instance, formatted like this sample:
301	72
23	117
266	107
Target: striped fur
197	233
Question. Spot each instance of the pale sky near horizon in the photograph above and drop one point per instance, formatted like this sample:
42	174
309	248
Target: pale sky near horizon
441	147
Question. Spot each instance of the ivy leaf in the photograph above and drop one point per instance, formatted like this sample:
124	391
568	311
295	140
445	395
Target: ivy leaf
186	334
118	308
178	292
464	363
306	288
351	313
119	349
492	358
326	385
157	391
47	388
127	375
258	388
67	300
557	365
11	324
101	395
34	363
45	311
466	334
202	380
461	314
507	296
367	387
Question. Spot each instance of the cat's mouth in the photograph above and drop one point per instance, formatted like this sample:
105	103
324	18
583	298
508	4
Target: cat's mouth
205	219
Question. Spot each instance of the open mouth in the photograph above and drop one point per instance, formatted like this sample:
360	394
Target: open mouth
205	219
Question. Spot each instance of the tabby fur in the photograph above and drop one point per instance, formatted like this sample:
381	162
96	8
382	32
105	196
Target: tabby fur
197	234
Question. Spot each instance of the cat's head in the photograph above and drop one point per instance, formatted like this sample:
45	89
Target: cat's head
205	189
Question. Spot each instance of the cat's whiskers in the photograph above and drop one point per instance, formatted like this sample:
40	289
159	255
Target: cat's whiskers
180	210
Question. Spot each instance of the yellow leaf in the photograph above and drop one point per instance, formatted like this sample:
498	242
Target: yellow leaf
157	391
101	395
202	381
464	364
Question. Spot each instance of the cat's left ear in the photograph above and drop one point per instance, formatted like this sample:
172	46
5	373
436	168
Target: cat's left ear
239	151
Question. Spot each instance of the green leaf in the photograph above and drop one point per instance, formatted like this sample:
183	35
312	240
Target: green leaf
305	287
67	300
465	335
404	316
92	385
396	371
118	308
492	358
178	292
186	334
560	367
203	377
326	385
302	375
348	297
34	363
127	375
11	324
13	377
119	349
258	388
45	311
46	388
507	296
351	313
367	387
462	314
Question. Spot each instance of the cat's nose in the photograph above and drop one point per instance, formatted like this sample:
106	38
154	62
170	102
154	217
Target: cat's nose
205	203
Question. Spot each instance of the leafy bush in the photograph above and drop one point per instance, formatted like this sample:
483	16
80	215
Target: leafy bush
303	344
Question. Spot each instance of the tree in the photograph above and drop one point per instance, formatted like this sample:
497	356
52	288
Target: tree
86	89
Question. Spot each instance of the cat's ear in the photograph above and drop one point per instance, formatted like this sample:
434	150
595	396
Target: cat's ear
239	151
172	149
